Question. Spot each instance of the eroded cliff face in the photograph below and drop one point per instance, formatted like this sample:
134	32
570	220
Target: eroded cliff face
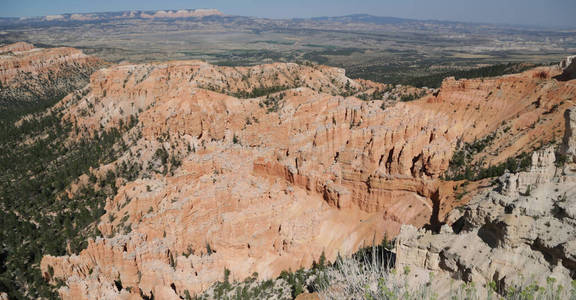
267	184
32	74
519	233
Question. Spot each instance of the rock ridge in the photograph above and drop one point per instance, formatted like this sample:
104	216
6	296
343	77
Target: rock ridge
265	182
29	74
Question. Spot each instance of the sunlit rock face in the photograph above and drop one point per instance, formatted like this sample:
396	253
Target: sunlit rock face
30	74
265	184
518	233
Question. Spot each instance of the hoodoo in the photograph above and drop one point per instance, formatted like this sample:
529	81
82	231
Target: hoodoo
231	179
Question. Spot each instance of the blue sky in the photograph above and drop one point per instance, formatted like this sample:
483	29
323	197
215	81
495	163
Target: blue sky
531	12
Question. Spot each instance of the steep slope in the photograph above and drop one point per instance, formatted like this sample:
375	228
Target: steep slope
36	163
520	233
264	184
29	74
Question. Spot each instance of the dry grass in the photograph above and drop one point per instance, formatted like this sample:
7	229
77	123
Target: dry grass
368	276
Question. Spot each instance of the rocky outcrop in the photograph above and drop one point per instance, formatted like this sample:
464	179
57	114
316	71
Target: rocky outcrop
568	66
268	183
30	74
521	232
16	48
569	142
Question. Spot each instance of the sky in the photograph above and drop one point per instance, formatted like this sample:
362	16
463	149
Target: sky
522	12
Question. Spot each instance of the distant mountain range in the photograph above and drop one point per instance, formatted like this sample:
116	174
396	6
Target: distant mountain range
104	16
209	12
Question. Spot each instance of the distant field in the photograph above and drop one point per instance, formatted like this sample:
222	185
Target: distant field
381	49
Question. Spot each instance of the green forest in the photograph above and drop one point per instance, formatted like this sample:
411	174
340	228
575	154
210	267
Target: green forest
37	164
392	75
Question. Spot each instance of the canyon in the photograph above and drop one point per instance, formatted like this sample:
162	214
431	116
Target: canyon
266	168
194	173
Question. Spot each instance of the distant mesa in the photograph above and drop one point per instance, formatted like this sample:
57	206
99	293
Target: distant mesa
184	13
135	14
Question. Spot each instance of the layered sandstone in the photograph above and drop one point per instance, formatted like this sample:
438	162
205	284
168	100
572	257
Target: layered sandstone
33	74
267	184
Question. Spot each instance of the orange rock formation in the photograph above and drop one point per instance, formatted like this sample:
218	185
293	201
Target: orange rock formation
28	73
267	184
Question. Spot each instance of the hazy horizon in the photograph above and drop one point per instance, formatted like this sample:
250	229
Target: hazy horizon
556	13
